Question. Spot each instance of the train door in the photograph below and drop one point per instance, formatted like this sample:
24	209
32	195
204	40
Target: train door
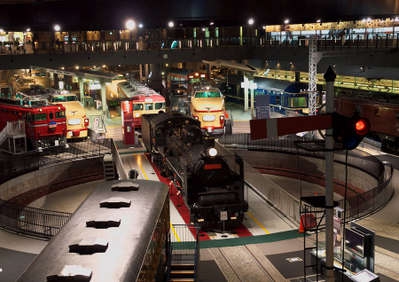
128	129
128	126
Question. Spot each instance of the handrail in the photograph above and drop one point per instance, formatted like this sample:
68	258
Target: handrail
31	221
38	222
358	205
142	45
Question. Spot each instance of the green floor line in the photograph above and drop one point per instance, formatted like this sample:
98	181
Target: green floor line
285	235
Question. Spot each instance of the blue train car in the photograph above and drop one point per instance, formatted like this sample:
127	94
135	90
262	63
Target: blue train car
293	100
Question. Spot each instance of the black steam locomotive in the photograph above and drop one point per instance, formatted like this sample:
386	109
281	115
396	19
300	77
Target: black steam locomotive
212	185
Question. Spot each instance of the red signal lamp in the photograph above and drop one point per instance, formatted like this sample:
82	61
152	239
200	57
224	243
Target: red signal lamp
349	131
362	126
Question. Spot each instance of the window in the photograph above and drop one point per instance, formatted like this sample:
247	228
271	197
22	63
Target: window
298	102
159	106
71	98
39	117
138	107
51	116
149	106
60	114
207	94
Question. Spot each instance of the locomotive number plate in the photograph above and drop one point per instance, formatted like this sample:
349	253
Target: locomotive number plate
223	215
208	118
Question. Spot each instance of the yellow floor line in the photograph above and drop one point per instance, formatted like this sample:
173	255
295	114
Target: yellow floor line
174	232
143	171
258	222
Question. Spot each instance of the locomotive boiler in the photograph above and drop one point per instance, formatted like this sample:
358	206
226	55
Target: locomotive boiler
212	185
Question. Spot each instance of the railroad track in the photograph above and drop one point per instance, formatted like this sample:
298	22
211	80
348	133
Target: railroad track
243	263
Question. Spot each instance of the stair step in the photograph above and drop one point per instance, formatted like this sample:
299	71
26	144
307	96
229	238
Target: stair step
181	279
183	266
182	271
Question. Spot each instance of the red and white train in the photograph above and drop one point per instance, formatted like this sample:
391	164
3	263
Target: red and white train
45	125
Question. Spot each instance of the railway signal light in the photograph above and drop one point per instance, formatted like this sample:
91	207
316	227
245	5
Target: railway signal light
349	131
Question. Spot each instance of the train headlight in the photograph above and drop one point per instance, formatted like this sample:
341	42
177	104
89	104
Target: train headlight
212	152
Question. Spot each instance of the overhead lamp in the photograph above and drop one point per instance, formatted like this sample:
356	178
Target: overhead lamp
130	24
251	21
57	27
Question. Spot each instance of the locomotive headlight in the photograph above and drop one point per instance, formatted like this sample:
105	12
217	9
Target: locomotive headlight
212	152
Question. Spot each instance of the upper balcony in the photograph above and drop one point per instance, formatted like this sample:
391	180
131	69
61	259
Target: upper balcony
357	55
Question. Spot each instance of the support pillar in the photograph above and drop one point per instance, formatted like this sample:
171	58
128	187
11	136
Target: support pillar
81	91
249	89
156	77
104	100
252	89
141	72
245	85
146	72
241	32
329	76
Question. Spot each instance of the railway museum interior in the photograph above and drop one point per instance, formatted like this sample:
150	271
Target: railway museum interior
196	141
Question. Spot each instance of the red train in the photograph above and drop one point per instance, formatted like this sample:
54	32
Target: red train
45	125
383	117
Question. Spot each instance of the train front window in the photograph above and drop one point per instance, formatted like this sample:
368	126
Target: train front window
298	102
207	94
64	98
138	107
39	117
149	106
60	114
71	98
159	106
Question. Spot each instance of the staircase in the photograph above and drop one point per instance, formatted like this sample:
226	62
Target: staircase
109	167
184	253
3	135
183	267
14	132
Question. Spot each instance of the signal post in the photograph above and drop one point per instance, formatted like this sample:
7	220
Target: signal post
329	76
346	132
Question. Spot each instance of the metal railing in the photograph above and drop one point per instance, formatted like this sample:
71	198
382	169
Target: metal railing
31	221
358	204
75	151
34	221
184	246
141	44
